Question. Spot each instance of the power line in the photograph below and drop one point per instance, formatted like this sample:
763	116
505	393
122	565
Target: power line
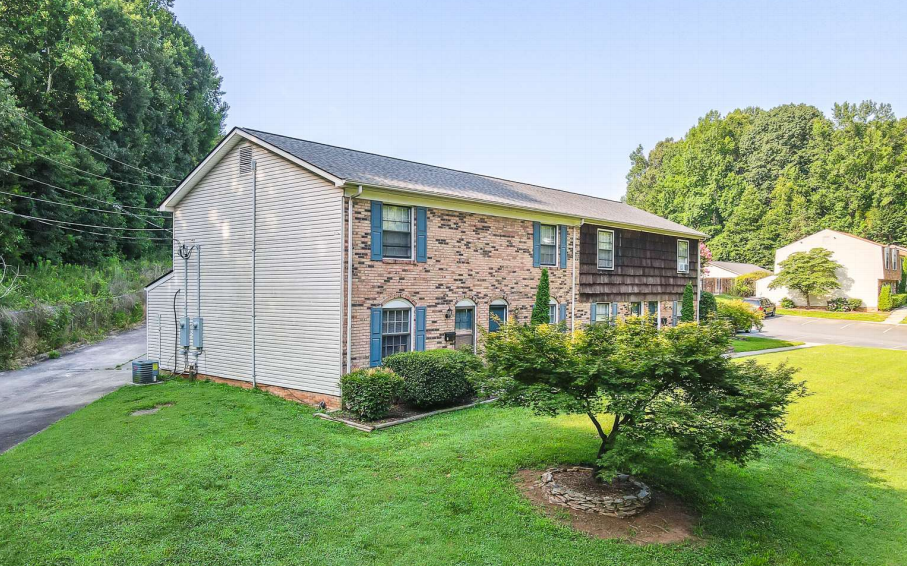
70	205
82	225
113	204
98	152
90	232
60	163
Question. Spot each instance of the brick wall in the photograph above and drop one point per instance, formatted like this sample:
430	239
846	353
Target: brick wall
470	256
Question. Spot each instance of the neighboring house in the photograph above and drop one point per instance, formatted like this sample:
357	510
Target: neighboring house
358	256
719	276
865	267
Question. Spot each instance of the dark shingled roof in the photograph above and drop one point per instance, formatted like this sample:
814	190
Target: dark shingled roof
358	167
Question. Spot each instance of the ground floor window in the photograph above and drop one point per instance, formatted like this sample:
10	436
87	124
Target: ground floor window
552	313
395	331
653	308
497	315
636	309
602	312
675	313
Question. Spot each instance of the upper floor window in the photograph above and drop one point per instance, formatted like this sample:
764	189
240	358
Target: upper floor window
397	227
606	249
683	256
548	247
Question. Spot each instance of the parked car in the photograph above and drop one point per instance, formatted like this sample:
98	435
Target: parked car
761	304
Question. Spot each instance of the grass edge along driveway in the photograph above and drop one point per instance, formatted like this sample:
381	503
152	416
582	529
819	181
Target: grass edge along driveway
861	316
231	476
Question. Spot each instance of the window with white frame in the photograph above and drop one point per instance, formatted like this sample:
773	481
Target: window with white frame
397	231
552	312
683	256
602	312
636	309
606	249
396	328
548	245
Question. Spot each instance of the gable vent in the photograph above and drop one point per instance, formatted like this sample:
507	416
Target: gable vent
245	160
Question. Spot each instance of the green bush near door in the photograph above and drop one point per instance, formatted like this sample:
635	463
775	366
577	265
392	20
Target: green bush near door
434	378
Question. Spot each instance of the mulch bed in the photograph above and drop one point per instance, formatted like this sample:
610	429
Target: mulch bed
398	414
667	520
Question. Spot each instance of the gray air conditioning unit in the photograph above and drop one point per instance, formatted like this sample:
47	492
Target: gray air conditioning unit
144	372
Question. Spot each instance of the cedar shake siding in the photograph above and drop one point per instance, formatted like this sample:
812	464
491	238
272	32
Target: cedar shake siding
645	267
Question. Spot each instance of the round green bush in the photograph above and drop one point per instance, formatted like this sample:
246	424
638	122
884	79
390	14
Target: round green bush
788	303
742	315
369	393
434	378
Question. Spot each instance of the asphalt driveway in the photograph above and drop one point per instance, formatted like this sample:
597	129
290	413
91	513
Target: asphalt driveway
33	398
840	332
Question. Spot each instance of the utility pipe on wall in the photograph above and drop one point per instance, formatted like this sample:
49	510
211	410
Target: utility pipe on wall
576	230
254	211
349	282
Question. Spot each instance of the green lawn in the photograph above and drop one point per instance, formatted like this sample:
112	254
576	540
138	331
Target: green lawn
753	343
229	476
864	316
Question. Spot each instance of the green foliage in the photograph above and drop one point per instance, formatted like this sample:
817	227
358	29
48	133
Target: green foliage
885	303
370	393
741	315
788	303
902	284
674	384
745	285
541	308
708	306
842	304
687	307
809	273
53	354
898	300
434	378
122	77
756	180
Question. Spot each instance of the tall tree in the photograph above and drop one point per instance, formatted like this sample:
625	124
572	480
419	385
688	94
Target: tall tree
541	310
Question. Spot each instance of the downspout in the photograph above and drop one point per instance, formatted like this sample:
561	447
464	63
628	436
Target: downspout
698	280
254	212
573	293
349	281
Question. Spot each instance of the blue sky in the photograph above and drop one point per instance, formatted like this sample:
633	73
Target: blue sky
552	93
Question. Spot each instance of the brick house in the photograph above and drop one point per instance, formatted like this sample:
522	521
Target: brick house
357	256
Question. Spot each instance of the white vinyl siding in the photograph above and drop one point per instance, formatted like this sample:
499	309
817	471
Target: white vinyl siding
298	273
606	249
160	329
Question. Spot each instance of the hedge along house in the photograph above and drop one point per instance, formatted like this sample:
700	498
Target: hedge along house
311	260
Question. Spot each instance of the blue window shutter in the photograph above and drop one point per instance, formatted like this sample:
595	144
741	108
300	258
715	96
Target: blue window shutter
592	310
374	358
421	235
563	246
377	248
420	329
562	316
536	244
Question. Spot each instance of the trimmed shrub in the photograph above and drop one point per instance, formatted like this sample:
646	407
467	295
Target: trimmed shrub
898	300
745	285
370	393
434	378
842	304
540	310
742	315
885	303
687	307
708	307
787	303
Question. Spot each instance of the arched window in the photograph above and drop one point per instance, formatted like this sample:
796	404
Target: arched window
396	327
497	314
552	312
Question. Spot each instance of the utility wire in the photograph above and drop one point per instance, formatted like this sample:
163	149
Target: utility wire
71	205
60	163
98	152
113	204
107	235
82	225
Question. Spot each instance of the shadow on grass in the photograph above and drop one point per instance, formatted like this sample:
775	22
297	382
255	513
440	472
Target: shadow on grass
793	505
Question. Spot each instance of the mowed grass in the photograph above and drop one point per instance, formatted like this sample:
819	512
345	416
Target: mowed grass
229	476
755	343
862	316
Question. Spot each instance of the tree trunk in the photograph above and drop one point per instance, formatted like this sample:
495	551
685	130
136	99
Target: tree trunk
607	441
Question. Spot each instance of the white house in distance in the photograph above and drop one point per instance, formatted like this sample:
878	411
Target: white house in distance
866	266
719	276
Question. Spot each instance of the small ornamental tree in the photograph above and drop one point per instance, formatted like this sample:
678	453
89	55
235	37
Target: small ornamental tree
541	309
902	284
705	256
687	308
809	273
708	306
885	298
674	384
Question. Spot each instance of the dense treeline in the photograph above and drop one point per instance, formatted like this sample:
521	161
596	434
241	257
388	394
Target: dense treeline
755	180
120	77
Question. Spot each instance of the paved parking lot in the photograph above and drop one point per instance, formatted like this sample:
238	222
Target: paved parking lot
841	332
